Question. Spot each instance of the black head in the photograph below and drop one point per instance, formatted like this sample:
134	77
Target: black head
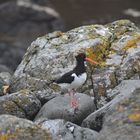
81	57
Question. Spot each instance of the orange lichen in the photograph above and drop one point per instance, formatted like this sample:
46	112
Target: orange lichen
134	116
132	42
98	53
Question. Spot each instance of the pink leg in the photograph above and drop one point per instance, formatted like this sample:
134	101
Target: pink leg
73	100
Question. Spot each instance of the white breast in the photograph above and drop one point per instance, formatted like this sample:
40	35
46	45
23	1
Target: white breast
78	81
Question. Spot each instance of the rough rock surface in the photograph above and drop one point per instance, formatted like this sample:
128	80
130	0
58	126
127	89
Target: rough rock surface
61	129
123	90
5	79
59	108
21	22
22	104
13	128
115	46
122	119
71	131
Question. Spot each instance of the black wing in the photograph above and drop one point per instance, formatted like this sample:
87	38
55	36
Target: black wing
66	78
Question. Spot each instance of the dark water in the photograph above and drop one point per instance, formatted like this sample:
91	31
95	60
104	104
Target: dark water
77	12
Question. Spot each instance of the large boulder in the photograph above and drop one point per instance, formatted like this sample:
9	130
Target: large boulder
13	128
95	120
59	108
23	104
122	118
115	46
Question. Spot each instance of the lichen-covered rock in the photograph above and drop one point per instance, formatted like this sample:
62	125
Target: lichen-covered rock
95	120
13	128
53	126
59	108
61	129
122	119
44	96
5	78
22	104
71	131
115	46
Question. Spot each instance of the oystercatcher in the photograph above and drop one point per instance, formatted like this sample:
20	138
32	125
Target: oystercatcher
75	78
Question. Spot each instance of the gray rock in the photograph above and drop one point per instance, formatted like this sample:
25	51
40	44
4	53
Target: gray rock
95	120
71	131
61	129
52	55
22	104
59	108
13	128
53	126
44	96
5	78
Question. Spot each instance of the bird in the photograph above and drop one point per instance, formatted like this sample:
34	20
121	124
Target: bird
75	78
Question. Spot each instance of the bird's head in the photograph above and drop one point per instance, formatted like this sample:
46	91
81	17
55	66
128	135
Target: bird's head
82	57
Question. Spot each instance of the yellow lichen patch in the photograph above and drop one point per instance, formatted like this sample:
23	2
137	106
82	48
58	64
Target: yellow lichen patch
4	136
8	135
134	116
98	53
132	42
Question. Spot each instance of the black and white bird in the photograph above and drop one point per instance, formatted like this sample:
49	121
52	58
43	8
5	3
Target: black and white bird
75	78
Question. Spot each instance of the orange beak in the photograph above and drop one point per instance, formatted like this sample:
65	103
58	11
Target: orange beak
91	61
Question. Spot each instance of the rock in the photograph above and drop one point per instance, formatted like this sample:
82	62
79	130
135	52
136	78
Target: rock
71	131
21	24
13	128
59	108
44	96
95	120
21	104
53	126
61	129
115	46
5	78
4	81
123	115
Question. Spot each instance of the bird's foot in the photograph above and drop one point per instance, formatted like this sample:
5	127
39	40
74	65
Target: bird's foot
74	103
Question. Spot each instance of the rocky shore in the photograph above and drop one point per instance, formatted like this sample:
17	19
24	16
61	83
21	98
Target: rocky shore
109	101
